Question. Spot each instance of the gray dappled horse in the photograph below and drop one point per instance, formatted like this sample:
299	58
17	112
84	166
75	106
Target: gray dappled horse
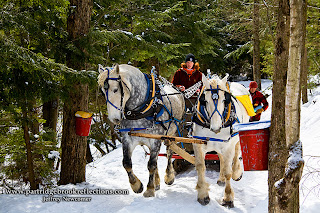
131	105
218	131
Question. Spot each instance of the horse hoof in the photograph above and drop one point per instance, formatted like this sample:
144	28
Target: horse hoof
148	193
169	182
221	183
228	204
239	178
204	201
138	190
157	188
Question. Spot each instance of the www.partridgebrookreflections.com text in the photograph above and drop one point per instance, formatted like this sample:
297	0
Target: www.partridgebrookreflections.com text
51	194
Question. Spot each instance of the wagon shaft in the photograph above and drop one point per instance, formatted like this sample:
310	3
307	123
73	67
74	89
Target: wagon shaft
171	138
180	151
169	142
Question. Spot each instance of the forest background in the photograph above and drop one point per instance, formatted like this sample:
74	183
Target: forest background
37	78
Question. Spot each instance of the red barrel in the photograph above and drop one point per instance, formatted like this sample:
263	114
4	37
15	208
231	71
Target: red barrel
83	126
255	148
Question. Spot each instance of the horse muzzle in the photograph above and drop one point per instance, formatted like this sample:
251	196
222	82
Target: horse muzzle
215	130
116	121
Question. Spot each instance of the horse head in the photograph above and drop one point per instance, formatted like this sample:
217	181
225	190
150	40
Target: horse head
215	96
116	89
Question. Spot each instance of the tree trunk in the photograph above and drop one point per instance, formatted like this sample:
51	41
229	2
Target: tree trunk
31	177
50	111
304	64
50	114
89	155
256	43
286	188
34	113
100	149
288	192
73	159
277	144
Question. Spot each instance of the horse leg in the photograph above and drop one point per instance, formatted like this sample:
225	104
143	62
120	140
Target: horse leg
228	191
221	180
237	169
169	177
152	167
135	183
202	185
157	180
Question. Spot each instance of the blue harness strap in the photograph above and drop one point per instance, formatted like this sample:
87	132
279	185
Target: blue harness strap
215	139
131	129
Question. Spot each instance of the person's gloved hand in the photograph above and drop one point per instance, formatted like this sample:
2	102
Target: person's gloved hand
260	111
182	88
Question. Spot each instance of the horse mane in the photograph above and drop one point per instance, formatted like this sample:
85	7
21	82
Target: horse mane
215	80
103	76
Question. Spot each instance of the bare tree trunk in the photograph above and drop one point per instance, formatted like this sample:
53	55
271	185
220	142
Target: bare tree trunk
89	155
31	177
304	64
288	188
256	43
100	149
50	114
286	197
278	152
34	113
73	158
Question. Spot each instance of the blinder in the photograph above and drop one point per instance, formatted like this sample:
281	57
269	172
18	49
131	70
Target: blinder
227	96
106	87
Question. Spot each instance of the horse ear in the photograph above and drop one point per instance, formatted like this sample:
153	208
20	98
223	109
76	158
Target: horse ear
116	69
225	79
205	81
101	69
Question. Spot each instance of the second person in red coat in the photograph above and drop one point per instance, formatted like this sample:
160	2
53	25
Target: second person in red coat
259	101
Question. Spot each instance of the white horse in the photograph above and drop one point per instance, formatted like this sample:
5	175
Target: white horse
220	106
134	103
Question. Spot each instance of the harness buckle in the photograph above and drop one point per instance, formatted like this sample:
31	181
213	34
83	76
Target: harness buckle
215	96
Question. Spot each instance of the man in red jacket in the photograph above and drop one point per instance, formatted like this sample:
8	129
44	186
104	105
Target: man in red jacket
188	74
185	77
259	101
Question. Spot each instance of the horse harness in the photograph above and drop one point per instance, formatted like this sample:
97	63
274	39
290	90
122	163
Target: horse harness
228	115
152	107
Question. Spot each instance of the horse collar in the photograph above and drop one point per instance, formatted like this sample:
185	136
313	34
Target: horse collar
150	107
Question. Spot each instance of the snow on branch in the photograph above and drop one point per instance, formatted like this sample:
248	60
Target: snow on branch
292	176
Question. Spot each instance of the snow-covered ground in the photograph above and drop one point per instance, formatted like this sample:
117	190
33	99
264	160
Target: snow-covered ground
251	192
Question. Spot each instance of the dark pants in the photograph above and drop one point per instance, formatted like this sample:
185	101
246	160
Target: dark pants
255	118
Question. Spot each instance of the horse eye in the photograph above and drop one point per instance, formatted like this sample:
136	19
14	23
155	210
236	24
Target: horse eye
106	86
115	90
